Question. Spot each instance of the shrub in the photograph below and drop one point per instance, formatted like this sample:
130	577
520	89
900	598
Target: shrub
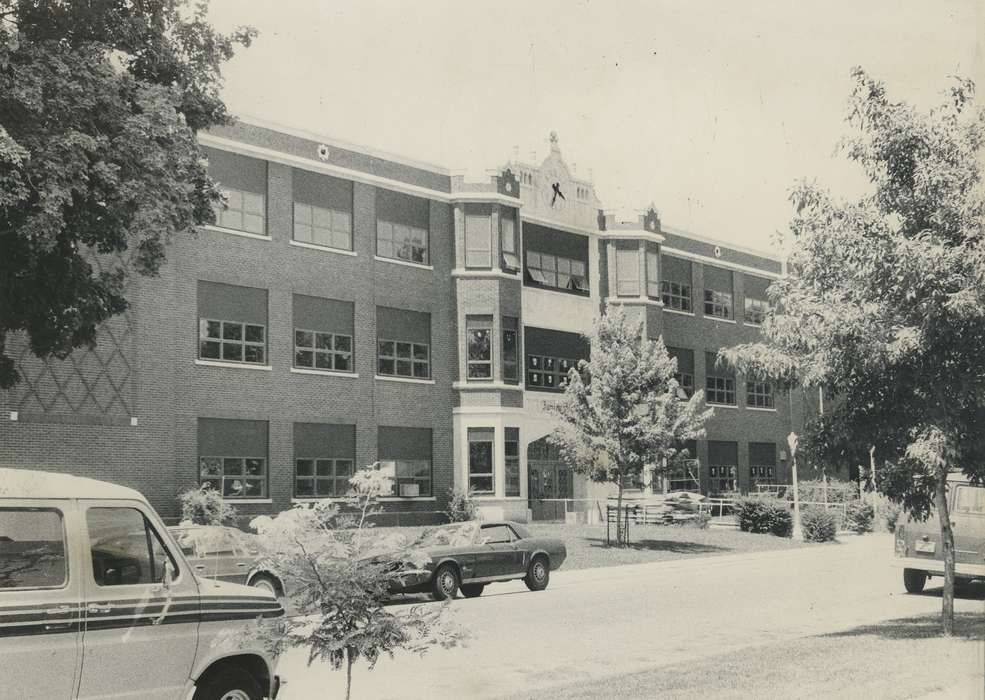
890	513
815	491
699	521
461	505
763	515
858	517
204	506
818	524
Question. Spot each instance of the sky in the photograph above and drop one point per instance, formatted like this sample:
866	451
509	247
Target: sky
709	110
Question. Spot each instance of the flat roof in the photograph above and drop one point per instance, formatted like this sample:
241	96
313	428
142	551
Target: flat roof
30	483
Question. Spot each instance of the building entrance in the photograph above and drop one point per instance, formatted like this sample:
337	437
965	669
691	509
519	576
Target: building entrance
549	481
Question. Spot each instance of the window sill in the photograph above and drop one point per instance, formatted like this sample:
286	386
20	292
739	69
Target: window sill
406	263
720	319
313	499
722	405
547	288
758	408
669	310
482	386
323	248
324	373
398	499
487	273
248	501
634	300
232	365
404	380
234	232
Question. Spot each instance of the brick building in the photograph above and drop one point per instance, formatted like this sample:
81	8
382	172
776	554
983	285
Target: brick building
352	307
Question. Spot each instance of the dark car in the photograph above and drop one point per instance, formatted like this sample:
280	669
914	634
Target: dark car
226	554
467	556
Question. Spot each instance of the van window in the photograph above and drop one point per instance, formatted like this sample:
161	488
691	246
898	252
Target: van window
32	548
125	548
970	499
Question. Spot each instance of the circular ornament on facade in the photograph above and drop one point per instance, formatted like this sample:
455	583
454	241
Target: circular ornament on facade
718	251
509	186
322	151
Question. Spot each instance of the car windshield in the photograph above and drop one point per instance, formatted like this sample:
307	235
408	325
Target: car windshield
455	535
204	540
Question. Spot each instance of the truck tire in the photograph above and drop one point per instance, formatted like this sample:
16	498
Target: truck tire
233	683
914	580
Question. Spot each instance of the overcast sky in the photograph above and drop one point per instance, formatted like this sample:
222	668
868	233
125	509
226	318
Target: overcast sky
710	110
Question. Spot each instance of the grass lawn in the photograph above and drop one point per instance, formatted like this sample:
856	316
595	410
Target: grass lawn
587	548
904	658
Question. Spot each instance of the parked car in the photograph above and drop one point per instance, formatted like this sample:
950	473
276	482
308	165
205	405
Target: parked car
468	556
226	554
97	600
918	544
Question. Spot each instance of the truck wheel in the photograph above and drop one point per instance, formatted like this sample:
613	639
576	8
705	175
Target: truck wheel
444	585
914	580
539	574
230	684
472	590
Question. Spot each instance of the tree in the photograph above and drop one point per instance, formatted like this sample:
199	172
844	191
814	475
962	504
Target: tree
621	411
99	105
884	302
337	573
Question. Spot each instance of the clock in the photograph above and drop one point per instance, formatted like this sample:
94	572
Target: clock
555	186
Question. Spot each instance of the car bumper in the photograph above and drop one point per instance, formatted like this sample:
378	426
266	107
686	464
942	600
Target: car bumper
275	687
935	567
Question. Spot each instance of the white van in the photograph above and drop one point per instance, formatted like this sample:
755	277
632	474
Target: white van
97	601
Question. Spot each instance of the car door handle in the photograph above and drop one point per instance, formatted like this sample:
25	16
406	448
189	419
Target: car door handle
60	610
200	567
241	564
95	609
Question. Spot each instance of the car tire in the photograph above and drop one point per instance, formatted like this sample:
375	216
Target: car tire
267	582
914	580
472	590
445	583
539	574
230	684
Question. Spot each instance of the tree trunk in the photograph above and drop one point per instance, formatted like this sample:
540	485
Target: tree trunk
620	534
947	544
348	674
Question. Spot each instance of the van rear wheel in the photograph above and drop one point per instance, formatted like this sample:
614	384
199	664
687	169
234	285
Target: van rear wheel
914	580
230	684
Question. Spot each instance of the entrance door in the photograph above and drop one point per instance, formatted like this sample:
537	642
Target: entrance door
550	481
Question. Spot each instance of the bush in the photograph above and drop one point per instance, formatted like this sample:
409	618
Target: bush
461	505
818	524
699	521
890	513
763	515
204	506
815	491
858	517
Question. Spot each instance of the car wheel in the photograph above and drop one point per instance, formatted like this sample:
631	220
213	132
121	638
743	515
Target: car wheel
914	580
472	590
266	583
539	574
230	684
444	585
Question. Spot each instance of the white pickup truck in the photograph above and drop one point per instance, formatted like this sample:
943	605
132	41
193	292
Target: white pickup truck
97	601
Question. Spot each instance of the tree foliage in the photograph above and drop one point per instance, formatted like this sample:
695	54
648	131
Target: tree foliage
337	572
99	105
620	411
884	301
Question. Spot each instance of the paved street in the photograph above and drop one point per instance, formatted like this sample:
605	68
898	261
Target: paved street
596	623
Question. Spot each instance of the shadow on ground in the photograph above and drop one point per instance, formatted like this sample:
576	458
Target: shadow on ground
662	546
966	626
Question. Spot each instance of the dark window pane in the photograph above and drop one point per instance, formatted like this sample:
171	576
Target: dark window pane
254	353
324	467
420	352
232	351
323	341
232	331
323	360
232	466
386	348
254	334
304	487
403	349
343	343
303	338
421	370
480	371
305	467
254	467
213	329
304	358
386	367
32	548
209	349
404	368
342	363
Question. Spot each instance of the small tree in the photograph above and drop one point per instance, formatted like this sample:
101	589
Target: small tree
461	505
624	410
205	506
337	573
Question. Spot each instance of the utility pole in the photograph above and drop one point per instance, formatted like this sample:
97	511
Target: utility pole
798	533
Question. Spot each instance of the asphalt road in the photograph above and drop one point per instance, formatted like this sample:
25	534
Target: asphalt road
611	622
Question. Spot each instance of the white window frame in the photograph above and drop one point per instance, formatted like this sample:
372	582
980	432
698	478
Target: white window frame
718	304
334	478
478	241
329	352
676	296
222	477
396	358
310	221
241	210
409	239
222	342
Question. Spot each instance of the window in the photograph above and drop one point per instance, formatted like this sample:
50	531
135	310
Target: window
402	359
32	548
411	477
478	240
231	341
653	287
556	271
722	477
756	310
125	549
676	296
628	272
761	474
511	451
401	242
329	351
719	382
496	534
685	368
718	304
507	233
759	394
969	499
322	478
686	382
235	477
481	460
511	350
549	372
328	227
479	351
244	211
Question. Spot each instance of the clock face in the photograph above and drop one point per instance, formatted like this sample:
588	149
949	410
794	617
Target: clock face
552	178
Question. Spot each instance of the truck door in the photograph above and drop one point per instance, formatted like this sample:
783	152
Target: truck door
968	515
139	637
40	600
